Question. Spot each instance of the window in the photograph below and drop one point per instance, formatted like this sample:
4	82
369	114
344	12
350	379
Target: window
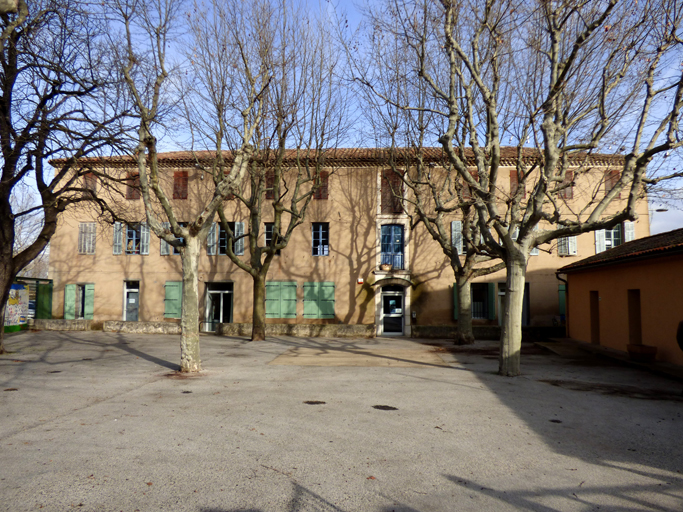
322	191
392	192
321	239
79	301
514	184
270	228
483	298
392	245
319	300
237	229
180	185
133	186
568	191
87	234
281	299
90	182
611	180
164	246
270	184
466	192
609	238
136	238
173	299
567	246
456	235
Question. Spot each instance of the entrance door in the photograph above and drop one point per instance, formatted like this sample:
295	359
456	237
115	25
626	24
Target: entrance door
218	305
392	310
132	297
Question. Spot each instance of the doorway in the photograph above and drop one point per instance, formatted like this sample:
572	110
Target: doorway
392	310
132	301
218	305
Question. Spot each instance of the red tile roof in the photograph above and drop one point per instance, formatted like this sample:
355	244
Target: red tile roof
653	246
345	157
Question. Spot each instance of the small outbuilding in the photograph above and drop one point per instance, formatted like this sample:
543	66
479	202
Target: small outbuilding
630	298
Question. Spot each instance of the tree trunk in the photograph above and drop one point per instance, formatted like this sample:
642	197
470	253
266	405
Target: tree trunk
258	330
189	323
511	333
5	285
463	332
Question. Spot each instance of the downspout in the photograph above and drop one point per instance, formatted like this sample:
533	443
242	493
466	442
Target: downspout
566	301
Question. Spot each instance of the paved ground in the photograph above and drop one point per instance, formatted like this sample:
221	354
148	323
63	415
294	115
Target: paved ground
98	421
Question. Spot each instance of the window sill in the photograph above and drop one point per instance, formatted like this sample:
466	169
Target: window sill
395	272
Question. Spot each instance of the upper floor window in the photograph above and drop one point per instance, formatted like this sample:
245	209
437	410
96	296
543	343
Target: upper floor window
567	192
87	233
133	186
131	238
237	229
392	192
322	191
270	184
611	180
392	245
270	229
90	182
466	191
180	185
514	183
609	238
321	239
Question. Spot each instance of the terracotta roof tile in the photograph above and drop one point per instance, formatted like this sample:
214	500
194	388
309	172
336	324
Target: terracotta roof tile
649	247
346	156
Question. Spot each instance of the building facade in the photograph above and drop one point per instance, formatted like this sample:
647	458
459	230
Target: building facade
355	260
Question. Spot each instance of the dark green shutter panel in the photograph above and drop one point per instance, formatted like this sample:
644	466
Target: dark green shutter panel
288	299
70	302
44	301
311	307
326	299
173	299
455	301
492	301
273	299
89	309
562	290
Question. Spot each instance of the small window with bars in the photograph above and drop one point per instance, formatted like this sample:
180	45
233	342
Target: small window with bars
321	239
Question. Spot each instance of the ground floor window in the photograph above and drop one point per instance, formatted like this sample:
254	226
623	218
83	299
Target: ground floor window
281	299
79	301
483	297
319	300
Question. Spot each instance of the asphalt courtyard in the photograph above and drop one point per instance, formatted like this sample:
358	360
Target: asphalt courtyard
100	421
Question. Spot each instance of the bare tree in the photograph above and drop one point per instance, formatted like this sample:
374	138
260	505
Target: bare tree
57	100
572	85
283	54
143	51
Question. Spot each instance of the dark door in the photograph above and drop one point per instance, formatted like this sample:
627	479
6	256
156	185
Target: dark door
392	313
132	300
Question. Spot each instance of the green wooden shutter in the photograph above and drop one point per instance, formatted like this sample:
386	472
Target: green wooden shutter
492	300
455	301
326	299
288	299
89	309
173	299
311	306
44	301
273	299
70	302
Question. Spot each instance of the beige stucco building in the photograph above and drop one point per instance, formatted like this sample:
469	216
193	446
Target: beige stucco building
330	272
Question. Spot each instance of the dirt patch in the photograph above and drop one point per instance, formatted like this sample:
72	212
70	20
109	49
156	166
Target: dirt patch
314	402
384	408
616	390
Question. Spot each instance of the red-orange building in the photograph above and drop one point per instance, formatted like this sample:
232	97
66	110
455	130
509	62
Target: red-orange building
630	295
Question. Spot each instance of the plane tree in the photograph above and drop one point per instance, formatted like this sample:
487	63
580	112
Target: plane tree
576	97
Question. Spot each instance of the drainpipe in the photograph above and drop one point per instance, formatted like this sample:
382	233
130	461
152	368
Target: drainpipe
566	302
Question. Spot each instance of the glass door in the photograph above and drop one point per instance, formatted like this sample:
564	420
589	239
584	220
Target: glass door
218	305
392	313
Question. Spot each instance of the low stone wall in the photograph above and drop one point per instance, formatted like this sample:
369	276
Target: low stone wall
301	330
142	327
63	325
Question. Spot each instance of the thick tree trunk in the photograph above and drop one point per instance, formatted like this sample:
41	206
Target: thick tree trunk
463	332
511	333
258	330
6	279
189	323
